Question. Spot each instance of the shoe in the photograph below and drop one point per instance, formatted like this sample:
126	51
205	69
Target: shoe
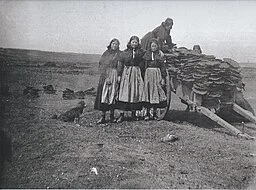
134	117
146	118
155	117
101	120
113	120
120	119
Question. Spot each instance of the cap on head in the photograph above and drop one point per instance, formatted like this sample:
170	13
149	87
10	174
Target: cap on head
168	21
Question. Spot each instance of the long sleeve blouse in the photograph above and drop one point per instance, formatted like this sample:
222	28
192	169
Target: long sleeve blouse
154	60
130	57
162	34
109	59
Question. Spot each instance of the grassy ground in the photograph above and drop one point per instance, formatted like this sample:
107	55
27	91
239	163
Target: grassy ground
48	153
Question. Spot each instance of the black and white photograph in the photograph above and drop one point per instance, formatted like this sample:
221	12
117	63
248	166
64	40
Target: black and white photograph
119	94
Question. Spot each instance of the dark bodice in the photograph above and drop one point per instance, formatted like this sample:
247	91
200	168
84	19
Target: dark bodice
127	59
109	59
156	62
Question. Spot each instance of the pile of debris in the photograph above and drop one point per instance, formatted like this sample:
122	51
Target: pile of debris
69	94
211	81
49	89
31	92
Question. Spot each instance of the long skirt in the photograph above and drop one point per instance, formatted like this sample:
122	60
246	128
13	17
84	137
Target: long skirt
153	93
131	88
107	91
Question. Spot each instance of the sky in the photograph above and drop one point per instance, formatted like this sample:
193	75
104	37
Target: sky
221	28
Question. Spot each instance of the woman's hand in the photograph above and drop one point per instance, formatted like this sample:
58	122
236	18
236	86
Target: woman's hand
108	82
162	82
119	79
161	53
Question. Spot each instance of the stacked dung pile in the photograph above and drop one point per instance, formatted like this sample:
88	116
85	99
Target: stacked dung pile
213	79
217	92
91	91
31	92
69	94
48	89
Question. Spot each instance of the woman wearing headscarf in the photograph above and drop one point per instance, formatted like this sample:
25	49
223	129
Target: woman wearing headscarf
131	84
108	84
155	74
161	33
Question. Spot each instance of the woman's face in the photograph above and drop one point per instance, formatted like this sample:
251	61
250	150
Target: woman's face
134	44
114	45
153	46
168	26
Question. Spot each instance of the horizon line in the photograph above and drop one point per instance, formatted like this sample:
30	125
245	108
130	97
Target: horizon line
50	51
70	52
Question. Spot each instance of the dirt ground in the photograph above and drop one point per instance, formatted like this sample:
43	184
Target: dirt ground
48	153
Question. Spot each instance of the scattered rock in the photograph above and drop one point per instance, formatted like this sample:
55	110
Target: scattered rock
94	170
169	138
183	172
100	145
250	155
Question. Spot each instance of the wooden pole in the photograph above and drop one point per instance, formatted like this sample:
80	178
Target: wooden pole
223	123
248	115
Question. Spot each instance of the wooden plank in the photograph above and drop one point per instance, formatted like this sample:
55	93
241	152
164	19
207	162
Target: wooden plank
189	102
223	123
248	115
219	120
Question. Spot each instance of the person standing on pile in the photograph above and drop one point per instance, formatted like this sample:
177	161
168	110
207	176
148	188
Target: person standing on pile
107	90
162	34
197	49
153	94
131	84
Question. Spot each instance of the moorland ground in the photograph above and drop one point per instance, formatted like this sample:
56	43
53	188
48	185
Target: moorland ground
48	153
